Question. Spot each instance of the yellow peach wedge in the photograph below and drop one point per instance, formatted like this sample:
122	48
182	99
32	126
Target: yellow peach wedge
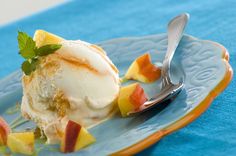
143	70
22	143
131	97
42	38
75	138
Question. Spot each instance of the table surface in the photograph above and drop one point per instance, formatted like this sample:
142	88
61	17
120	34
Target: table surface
214	133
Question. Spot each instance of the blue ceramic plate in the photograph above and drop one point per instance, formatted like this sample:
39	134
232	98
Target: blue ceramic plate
206	71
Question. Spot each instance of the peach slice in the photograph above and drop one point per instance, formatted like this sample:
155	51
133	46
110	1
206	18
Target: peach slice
42	38
143	70
4	131
22	143
75	137
131	97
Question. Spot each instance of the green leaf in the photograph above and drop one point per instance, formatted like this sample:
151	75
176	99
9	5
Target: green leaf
28	67
47	49
26	45
22	39
29	51
34	63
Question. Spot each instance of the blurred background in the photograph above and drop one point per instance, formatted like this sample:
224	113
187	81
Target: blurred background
22	8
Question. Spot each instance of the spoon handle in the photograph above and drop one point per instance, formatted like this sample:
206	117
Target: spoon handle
175	32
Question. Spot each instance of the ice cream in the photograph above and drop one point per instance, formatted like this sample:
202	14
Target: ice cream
77	82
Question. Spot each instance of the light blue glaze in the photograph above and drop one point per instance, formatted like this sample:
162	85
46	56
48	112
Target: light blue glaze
200	62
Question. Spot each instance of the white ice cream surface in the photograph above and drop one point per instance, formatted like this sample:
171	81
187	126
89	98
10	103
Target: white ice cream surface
77	83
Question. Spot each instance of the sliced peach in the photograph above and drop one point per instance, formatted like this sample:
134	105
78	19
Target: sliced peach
4	131
75	137
22	143
131	97
143	70
42	38
84	139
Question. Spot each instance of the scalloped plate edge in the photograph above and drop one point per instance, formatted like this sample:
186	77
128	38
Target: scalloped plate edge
188	118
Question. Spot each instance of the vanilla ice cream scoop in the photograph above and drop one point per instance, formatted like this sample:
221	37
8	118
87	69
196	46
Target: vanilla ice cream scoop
77	82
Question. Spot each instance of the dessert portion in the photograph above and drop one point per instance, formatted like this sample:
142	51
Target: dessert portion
143	70
74	81
69	86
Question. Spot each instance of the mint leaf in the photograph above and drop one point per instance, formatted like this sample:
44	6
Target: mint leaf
47	49
28	52
22	39
28	67
26	45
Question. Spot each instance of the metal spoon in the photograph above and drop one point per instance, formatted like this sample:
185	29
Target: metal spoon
169	90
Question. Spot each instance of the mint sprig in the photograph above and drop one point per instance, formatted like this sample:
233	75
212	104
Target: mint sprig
31	53
47	49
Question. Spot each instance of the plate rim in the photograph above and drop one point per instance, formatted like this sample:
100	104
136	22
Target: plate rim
189	117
